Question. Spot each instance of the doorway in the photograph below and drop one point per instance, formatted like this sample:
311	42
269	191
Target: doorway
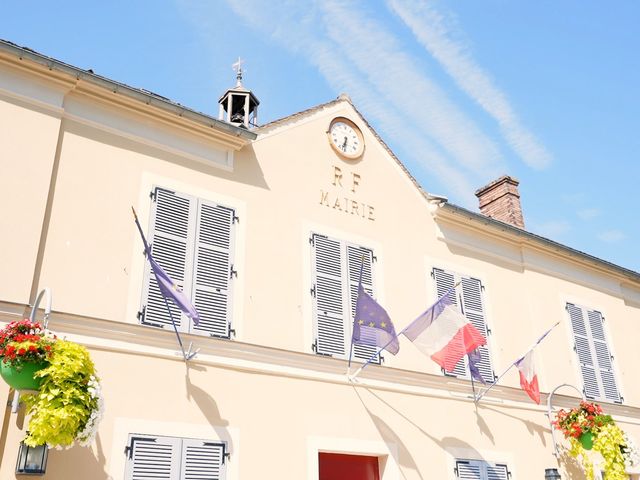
337	466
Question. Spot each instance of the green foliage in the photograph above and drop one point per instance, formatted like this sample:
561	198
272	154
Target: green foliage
63	406
609	442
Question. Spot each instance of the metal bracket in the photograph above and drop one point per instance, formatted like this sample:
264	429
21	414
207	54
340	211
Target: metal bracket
550	406
47	309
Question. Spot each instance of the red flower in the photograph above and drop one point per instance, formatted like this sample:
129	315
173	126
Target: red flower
33	348
22	351
47	347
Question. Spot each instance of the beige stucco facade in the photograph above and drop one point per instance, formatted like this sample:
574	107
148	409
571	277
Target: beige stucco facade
75	156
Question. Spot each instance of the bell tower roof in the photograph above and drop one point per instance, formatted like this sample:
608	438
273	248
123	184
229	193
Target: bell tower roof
238	105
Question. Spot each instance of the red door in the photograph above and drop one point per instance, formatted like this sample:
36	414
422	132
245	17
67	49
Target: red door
336	466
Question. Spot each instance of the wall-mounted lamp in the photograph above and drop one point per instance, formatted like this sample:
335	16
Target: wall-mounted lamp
551	474
32	460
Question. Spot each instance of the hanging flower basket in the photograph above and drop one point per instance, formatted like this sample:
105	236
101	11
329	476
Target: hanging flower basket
24	350
66	404
22	377
587	427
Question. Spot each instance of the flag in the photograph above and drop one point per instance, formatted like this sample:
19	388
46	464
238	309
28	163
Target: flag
170	290
474	358
528	376
526	366
372	325
444	334
168	287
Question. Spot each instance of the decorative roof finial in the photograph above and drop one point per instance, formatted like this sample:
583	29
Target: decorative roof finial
237	67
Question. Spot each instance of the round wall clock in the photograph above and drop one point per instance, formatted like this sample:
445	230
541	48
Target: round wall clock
346	138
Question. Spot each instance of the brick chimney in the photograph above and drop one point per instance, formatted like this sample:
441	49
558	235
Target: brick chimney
501	200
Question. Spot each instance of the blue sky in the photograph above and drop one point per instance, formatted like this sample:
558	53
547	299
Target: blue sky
463	92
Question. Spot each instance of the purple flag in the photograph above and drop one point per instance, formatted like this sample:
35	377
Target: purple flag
168	288
474	358
372	325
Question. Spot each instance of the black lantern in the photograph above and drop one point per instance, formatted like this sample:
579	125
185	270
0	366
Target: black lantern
551	474
32	460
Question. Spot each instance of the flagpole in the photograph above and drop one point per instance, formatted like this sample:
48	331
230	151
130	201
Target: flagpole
147	251
353	377
354	317
484	392
473	385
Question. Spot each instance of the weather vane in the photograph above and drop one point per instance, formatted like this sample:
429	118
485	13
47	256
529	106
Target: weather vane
237	67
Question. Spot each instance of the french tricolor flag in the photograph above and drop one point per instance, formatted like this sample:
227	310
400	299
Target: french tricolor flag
444	334
528	376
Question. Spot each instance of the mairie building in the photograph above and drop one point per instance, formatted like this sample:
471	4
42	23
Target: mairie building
265	227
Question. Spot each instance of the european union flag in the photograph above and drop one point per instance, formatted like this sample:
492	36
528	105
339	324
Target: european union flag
372	325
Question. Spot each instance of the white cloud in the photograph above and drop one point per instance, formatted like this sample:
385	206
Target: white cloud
387	103
432	30
552	229
589	213
612	236
371	48
359	55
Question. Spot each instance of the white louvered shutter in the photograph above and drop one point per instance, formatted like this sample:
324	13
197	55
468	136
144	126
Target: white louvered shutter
172	230
153	458
603	356
202	460
445	281
329	296
473	310
213	269
480	470
357	258
469	470
593	353
497	471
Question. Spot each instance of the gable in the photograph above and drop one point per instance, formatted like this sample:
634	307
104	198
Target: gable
355	187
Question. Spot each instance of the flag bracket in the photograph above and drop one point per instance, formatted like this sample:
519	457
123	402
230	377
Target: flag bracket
556	453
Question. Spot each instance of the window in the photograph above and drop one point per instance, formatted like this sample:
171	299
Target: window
192	239
469	298
594	357
336	270
154	457
481	470
336	466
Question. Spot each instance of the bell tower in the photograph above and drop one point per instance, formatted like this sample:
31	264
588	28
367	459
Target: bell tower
238	105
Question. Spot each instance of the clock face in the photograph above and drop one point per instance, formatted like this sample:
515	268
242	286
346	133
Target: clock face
346	138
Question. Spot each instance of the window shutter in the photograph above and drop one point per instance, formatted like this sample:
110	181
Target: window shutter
328	296
473	310
497	472
593	354
202	460
358	257
468	470
153	458
603	356
172	225
480	470
212	279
